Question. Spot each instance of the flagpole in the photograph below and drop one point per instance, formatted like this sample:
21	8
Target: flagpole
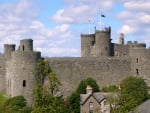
101	21
101	16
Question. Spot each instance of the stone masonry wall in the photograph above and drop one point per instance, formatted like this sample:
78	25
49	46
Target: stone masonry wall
19	74
140	63
106	71
2	74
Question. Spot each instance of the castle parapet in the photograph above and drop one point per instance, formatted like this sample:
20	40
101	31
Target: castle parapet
87	35
8	48
26	45
135	44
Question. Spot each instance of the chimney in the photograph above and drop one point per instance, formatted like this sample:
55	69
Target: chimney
89	89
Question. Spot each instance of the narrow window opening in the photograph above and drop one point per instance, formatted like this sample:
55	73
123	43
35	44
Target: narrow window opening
137	60
24	83
93	42
23	47
8	82
106	48
137	71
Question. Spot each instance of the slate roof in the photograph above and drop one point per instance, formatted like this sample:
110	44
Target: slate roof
144	107
97	96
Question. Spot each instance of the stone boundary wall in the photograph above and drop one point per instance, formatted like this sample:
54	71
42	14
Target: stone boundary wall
106	71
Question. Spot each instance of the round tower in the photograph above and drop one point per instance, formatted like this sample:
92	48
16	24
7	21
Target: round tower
103	42
19	72
8	49
87	41
26	45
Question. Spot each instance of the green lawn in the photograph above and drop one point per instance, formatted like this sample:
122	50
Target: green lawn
3	98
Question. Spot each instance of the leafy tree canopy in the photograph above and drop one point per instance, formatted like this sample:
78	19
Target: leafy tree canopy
133	92
83	84
42	70
45	100
14	105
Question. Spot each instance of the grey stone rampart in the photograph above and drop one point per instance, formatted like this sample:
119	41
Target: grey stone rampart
97	44
135	44
121	50
87	41
19	74
140	63
106	71
8	48
2	74
102	44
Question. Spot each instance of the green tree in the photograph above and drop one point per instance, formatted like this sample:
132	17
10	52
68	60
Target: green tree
14	105
54	83
74	99
45	100
133	92
42	69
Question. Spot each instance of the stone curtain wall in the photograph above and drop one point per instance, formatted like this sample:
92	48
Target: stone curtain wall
141	63
2	73
106	71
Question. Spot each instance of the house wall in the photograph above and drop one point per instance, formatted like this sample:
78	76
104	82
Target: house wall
85	107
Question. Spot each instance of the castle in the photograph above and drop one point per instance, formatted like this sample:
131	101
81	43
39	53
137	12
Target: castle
107	62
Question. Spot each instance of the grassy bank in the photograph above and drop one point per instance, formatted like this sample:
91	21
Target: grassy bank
3	98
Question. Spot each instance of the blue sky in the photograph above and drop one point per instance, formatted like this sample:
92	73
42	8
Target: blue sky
55	26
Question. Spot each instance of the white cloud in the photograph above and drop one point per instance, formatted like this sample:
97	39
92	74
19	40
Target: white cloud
22	22
143	5
127	29
58	17
144	18
136	19
79	11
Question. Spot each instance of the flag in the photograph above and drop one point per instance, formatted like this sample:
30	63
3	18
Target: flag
102	15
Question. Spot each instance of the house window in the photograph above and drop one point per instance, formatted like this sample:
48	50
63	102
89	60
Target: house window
24	83
91	105
90	111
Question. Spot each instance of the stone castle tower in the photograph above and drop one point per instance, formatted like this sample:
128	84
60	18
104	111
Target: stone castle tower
108	63
96	45
19	66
